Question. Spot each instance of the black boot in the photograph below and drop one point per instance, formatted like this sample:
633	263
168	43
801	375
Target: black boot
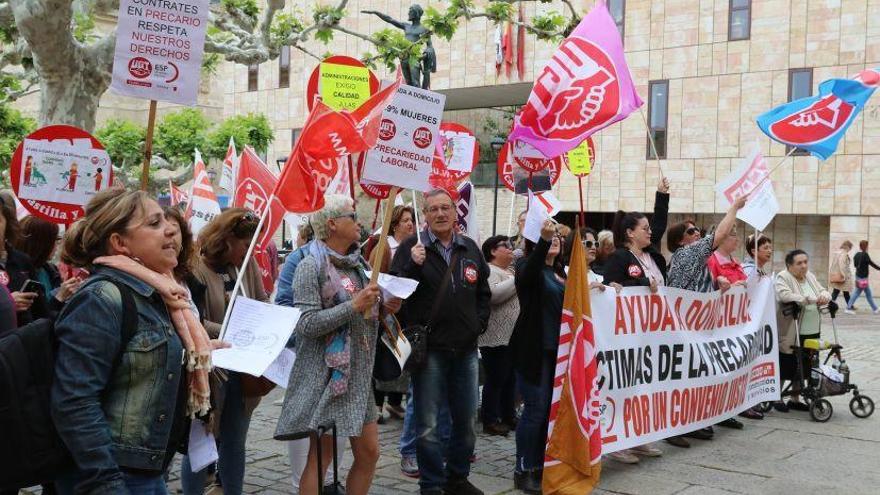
528	482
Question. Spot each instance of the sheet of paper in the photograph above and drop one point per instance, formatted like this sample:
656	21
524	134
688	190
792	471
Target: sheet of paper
400	347
395	286
279	370
534	219
258	332
762	205
458	150
202	447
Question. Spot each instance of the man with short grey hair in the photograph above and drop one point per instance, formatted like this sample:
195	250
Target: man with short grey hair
452	299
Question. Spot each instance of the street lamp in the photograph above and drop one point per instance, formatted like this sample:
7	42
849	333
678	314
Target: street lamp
280	161
497	143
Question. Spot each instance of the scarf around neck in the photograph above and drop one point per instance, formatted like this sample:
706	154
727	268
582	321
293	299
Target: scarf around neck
191	332
337	351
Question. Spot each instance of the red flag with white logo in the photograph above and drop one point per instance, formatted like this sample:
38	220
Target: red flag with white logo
178	195
203	205
230	165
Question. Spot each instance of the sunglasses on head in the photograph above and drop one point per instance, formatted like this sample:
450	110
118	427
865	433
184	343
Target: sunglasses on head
241	229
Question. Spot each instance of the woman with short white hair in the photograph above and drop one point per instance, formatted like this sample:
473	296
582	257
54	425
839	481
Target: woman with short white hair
330	383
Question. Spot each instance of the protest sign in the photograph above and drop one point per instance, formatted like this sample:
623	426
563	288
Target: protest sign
520	180
407	140
580	158
339	81
676	361
258	332
56	170
460	149
159	48
762	205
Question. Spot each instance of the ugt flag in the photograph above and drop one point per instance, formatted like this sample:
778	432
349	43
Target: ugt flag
203	205
817	123
584	88
178	195
574	444
230	167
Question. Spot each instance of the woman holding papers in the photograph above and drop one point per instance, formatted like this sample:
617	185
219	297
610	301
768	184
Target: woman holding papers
121	398
331	380
222	246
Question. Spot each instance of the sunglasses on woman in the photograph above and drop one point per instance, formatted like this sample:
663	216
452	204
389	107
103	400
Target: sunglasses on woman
591	244
692	231
242	227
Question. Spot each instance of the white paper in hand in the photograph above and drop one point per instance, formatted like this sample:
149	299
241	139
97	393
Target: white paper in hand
202	447
540	209
392	286
279	370
258	332
762	205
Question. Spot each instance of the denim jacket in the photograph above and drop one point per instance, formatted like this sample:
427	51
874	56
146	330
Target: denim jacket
115	412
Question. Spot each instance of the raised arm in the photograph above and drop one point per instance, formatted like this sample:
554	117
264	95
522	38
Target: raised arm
868	257
728	222
661	212
386	18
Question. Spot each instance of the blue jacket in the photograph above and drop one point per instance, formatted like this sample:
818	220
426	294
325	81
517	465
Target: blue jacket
114	407
284	289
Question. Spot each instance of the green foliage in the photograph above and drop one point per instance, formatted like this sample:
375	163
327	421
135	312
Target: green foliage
442	24
326	16
13	128
500	11
124	142
179	133
247	7
392	45
83	27
251	129
284	25
549	26
211	63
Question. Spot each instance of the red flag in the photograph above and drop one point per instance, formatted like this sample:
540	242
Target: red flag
254	185
507	42
203	205
230	166
521	44
178	196
326	136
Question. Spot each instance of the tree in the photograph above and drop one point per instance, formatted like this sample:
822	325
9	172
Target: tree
179	133
51	44
251	129
124	142
13	128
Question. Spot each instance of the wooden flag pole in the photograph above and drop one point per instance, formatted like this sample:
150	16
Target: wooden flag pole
376	214
581	194
148	146
383	240
653	146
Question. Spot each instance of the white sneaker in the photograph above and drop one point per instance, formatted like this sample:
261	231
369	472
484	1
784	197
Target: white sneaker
849	311
647	450
877	311
624	456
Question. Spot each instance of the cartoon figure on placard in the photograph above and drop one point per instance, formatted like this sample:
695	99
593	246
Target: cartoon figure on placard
28	167
448	149
99	177
71	176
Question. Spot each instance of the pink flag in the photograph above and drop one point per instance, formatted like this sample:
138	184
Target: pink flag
584	88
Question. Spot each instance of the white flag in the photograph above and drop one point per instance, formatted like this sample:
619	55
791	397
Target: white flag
230	168
203	205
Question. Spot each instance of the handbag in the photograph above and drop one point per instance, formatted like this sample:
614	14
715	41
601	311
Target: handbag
417	335
392	350
836	278
862	283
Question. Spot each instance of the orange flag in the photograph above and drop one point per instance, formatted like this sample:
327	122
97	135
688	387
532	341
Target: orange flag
574	444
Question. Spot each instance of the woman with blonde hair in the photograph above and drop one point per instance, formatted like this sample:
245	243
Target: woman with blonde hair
840	276
121	398
335	348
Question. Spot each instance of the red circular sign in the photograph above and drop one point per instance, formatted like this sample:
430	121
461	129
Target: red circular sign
140	67
371	189
422	137
387	129
312	87
448	130
592	150
61	213
526	156
507	166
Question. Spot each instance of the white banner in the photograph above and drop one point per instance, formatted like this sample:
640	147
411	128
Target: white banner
159	48
677	361
762	205
63	171
408	137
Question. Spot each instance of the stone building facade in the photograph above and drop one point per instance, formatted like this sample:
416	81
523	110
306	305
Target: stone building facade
716	63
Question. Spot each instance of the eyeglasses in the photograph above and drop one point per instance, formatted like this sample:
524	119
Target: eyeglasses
352	215
692	231
435	209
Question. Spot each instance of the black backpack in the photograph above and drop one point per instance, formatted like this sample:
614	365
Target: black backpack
31	451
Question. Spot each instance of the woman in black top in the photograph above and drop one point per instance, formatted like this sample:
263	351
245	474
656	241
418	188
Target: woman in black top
862	260
16	269
637	259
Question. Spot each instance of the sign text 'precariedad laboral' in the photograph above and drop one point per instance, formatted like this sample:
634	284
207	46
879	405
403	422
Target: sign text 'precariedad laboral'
159	48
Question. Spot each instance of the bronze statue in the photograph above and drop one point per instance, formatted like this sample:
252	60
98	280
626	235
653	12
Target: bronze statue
414	73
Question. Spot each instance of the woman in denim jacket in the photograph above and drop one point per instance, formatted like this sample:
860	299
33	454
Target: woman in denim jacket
122	410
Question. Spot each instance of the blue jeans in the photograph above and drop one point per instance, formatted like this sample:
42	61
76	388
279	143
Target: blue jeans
868	295
451	378
234	425
408	435
531	430
499	391
135	483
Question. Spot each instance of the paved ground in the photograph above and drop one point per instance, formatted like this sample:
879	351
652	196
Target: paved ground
784	453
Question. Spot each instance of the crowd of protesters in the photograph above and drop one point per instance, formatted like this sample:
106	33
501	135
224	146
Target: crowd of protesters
133	292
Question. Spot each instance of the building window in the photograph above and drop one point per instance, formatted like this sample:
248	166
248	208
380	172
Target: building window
253	76
800	85
739	24
294	135
658	106
284	67
617	8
